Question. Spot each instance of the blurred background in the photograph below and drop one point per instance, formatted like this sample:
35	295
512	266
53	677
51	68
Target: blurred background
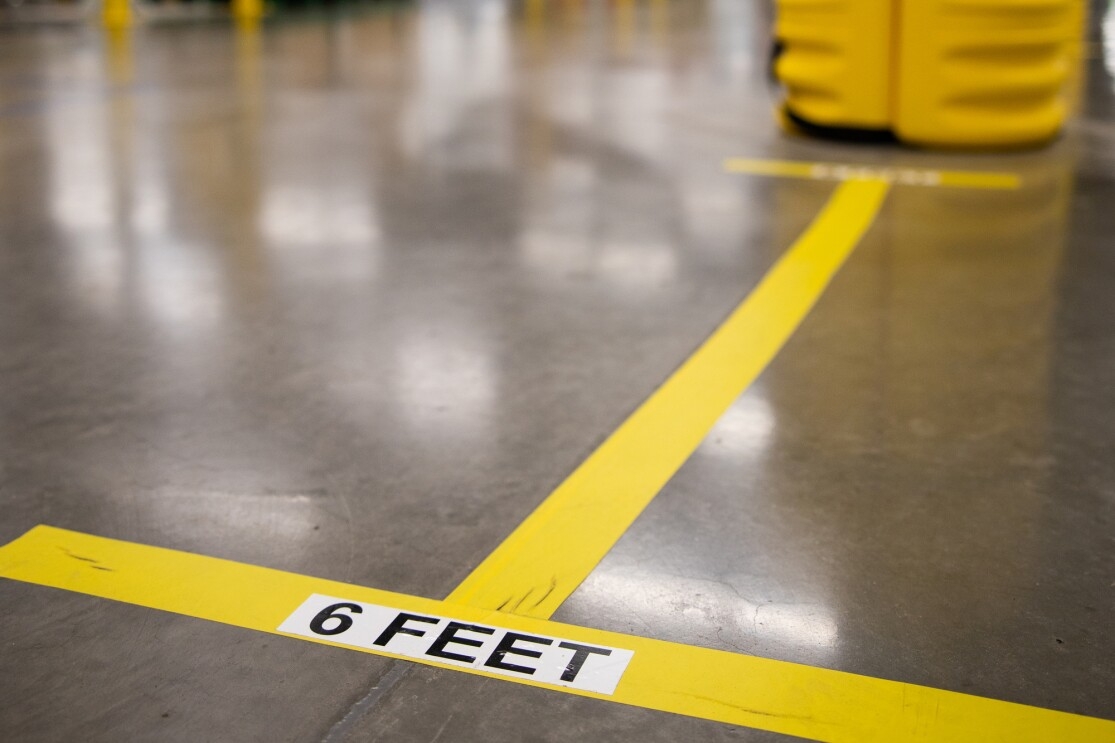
347	288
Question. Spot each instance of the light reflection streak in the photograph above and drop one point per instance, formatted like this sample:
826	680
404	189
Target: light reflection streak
623	265
733	27
180	287
795	625
678	606
314	228
288	520
149	210
571	101
636	112
1108	30
463	63
86	155
637	265
81	196
311	216
446	382
555	252
745	429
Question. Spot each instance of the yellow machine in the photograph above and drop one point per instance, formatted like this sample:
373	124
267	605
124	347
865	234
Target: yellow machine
988	73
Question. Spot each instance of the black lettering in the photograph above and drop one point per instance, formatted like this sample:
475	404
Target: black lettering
449	634
397	627
344	621
507	647
580	655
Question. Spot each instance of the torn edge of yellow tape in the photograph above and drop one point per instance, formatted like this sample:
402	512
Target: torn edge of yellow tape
894	175
813	703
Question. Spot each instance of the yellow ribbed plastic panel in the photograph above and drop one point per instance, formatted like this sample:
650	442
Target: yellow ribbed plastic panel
984	72
836	61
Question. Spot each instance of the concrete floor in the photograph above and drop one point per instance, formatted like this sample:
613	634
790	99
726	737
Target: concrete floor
349	296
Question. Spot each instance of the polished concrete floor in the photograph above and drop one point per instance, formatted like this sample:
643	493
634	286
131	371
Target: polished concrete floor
349	294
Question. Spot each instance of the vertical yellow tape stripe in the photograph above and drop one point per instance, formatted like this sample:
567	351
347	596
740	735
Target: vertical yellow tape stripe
812	703
547	557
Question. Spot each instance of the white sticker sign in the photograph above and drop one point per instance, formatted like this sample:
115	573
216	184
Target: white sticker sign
484	647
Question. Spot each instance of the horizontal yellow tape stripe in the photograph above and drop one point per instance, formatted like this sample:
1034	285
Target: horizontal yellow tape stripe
960	179
898	175
788	698
770	167
544	560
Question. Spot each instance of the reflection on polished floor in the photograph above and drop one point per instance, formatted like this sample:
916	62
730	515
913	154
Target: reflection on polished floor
349	294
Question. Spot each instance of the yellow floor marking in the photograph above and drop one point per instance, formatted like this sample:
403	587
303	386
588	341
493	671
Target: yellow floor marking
812	703
900	175
544	560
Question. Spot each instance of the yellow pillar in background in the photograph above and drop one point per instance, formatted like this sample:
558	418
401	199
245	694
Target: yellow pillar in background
116	14
247	10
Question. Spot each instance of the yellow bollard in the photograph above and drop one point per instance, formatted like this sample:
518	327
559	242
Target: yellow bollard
948	73
835	62
116	14
978	73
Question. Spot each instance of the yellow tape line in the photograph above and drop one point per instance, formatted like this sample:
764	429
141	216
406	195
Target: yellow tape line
543	561
898	175
783	697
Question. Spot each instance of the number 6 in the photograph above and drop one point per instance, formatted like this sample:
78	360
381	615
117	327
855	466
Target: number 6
344	621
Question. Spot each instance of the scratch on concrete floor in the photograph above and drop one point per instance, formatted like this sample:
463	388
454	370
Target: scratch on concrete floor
340	730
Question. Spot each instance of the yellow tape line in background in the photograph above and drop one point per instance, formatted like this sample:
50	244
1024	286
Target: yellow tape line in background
898	175
544	560
813	703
